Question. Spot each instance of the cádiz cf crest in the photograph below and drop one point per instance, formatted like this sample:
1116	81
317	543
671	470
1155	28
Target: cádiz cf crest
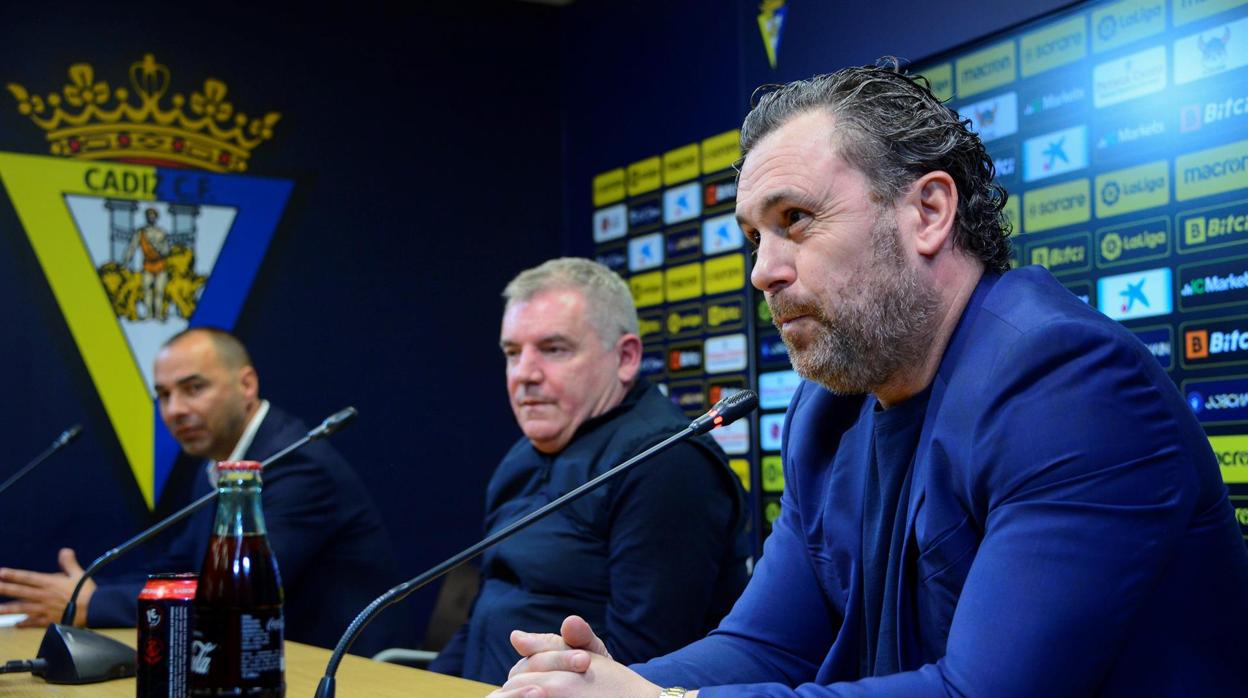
144	226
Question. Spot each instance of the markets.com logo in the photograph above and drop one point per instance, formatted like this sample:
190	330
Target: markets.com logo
1221	282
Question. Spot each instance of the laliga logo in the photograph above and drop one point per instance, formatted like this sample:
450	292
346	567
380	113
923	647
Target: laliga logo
1110	193
1107	27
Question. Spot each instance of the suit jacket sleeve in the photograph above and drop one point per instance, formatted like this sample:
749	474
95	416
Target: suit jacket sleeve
1085	488
115	601
298	501
778	631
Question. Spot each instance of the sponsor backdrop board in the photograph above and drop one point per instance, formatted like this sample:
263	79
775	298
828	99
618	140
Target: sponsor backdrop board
1120	131
665	223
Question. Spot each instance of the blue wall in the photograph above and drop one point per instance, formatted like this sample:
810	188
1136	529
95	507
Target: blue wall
424	145
436	150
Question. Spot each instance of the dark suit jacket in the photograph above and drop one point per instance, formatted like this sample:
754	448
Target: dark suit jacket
1067	531
331	548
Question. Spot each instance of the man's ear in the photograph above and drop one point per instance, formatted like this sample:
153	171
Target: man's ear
628	348
250	382
928	210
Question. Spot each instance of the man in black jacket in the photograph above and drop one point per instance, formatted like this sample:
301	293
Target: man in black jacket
570	339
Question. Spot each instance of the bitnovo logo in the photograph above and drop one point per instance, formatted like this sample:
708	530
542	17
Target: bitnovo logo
1216	342
716	193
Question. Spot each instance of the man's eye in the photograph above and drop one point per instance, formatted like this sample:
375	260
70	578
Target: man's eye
794	216
751	236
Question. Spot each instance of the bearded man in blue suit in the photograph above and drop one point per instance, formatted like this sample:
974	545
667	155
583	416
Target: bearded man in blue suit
991	489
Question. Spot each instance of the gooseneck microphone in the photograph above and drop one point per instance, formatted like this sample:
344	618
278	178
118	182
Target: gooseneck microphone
724	412
61	442
77	655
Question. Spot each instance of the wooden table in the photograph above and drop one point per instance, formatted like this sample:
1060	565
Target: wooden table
305	665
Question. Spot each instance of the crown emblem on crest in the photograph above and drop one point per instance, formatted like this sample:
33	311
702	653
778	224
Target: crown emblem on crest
88	120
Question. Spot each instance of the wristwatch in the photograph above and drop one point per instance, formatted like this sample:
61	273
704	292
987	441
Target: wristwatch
673	692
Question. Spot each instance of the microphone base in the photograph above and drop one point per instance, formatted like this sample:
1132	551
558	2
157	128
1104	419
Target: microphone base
77	655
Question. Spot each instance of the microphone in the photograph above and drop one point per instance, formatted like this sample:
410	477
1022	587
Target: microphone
61	442
724	412
78	655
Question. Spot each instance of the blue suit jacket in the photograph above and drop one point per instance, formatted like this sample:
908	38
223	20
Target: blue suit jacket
331	548
1067	532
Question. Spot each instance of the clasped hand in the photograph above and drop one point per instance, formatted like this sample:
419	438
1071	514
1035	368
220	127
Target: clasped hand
573	663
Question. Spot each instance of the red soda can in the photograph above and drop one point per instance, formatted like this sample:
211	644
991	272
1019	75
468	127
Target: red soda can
164	625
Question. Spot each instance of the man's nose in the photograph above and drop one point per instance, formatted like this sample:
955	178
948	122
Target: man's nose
773	264
527	367
175	406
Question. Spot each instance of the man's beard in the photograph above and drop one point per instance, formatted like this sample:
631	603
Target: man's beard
885	317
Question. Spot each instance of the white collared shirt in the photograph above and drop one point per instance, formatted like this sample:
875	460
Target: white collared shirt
244	441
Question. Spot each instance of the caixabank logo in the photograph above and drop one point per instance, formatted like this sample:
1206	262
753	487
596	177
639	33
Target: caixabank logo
144	227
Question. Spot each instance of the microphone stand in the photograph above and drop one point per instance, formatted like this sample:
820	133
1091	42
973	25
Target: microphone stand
727	410
75	655
61	442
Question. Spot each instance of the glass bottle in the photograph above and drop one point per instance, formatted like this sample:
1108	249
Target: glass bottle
239	627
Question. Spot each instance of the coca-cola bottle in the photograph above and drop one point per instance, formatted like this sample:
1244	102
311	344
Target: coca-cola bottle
238	629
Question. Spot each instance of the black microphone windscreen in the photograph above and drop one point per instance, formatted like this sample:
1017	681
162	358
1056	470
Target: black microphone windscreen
726	411
335	421
736	406
69	434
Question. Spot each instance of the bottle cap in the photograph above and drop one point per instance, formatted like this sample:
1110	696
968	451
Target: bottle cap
238	465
